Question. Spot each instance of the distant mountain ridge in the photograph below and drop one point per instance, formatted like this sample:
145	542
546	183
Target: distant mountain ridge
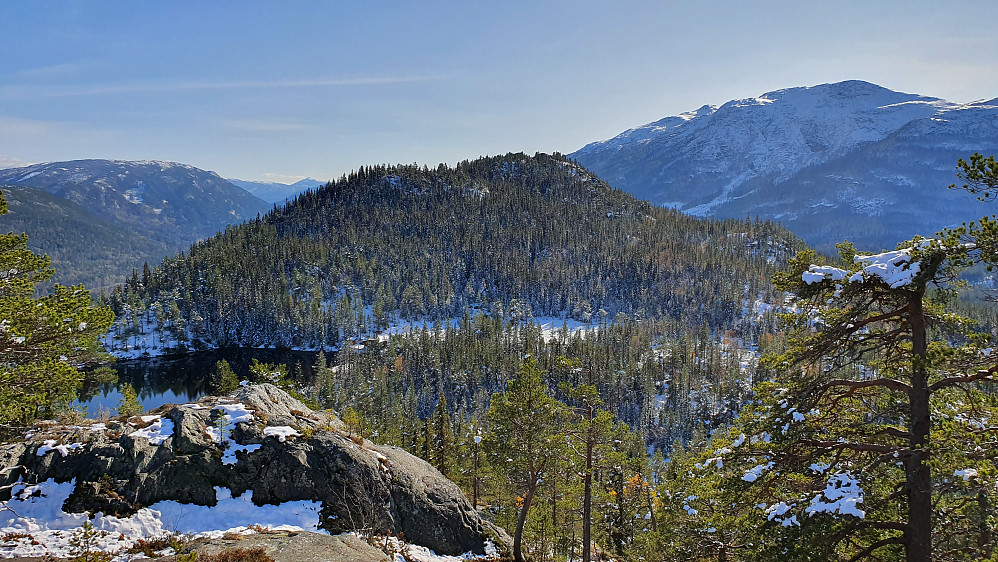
844	160
275	192
123	212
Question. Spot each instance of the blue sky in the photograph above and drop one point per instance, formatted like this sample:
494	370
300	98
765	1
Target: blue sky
274	90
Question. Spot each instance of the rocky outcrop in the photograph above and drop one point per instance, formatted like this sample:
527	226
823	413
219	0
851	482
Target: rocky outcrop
257	439
298	547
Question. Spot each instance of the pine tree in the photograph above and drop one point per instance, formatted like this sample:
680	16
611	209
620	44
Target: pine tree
442	449
223	379
42	339
129	405
525	425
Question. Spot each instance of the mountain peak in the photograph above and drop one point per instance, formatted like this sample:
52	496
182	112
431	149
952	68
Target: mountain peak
723	162
844	89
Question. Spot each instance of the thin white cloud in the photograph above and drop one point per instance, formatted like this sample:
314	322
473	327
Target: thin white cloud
12	162
262	126
18	127
56	71
25	91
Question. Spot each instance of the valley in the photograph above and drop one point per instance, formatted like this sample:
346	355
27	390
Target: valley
515	355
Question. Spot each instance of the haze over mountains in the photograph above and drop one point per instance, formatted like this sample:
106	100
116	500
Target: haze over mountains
117	214
834	161
275	192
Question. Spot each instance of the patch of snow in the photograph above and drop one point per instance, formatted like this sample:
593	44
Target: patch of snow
778	511
892	268
842	495
50	445
281	432
753	474
966	473
818	273
235	412
158	431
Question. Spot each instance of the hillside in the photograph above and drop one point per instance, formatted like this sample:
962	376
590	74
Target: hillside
834	161
84	248
519	236
111	216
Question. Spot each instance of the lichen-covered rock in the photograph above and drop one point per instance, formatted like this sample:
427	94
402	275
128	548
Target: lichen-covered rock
298	547
261	439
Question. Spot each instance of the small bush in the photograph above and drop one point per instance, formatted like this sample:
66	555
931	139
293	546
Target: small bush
395	547
257	554
84	545
150	547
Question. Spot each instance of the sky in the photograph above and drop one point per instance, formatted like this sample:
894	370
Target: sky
281	90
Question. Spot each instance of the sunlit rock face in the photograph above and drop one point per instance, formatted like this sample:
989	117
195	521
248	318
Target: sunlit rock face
260	441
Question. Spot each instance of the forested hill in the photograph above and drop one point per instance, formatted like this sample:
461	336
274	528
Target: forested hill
513	234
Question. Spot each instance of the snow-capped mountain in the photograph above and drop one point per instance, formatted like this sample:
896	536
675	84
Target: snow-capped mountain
274	192
163	198
846	160
124	212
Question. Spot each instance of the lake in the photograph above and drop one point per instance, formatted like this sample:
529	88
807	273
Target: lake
184	378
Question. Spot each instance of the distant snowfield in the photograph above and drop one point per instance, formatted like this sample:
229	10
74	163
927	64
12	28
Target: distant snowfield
35	515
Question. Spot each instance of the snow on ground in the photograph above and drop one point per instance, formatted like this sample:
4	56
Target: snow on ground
151	342
235	412
229	456
160	429
36	525
37	511
51	445
422	554
281	432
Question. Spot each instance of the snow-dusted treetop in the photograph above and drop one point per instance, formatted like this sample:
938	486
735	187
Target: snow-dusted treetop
895	268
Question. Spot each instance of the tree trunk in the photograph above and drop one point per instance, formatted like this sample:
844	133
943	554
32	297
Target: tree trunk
587	498
521	520
985	529
918	536
651	510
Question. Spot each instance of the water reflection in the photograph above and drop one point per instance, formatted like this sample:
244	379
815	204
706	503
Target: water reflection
163	380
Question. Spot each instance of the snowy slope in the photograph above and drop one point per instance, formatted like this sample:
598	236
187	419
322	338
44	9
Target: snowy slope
803	156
